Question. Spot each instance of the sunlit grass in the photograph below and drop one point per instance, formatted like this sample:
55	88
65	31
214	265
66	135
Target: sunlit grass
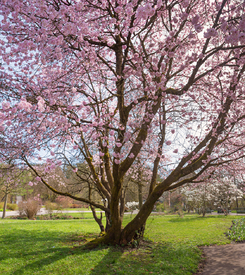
192	229
57	246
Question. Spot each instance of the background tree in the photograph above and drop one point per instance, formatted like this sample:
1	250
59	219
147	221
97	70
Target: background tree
10	182
104	82
225	193
220	192
53	175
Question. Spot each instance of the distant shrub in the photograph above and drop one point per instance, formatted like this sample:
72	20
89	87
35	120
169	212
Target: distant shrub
29	208
12	206
55	217
76	205
160	207
1	205
64	202
50	206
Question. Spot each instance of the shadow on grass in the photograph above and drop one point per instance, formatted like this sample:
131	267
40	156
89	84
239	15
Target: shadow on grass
189	218
36	251
149	258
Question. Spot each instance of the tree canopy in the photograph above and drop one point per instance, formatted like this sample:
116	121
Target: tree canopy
108	82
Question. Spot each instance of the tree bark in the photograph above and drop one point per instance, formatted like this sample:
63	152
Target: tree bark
140	195
5	205
98	220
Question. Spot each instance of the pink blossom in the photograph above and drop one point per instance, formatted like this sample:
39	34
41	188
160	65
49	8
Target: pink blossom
117	161
210	32
185	3
23	104
195	19
175	151
171	54
5	105
41	104
184	16
73	89
159	3
131	156
168	142
198	27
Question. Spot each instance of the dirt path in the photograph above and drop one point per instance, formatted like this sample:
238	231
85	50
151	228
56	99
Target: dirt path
224	260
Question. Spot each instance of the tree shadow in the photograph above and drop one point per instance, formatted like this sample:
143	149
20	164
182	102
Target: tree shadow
37	251
149	258
189	218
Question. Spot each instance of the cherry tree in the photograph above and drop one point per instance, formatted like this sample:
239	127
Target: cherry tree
106	81
53	175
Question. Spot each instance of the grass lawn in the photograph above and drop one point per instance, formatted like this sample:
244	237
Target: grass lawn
57	246
78	209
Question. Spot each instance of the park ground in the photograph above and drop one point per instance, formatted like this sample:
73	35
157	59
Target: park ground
172	245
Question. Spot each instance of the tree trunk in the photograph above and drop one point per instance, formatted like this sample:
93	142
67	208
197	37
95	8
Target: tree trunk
134	229
203	212
136	226
237	206
98	220
5	205
204	209
114	233
140	195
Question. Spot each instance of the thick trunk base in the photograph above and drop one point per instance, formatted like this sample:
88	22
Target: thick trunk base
111	238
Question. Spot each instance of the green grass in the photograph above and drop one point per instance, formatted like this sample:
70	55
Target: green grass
57	246
192	229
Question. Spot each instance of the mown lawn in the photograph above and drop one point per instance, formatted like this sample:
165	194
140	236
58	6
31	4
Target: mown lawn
57	246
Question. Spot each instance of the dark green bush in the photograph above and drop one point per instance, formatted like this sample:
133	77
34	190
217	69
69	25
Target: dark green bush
160	207
237	230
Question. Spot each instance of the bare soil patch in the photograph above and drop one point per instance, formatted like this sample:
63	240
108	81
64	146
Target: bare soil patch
223	260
